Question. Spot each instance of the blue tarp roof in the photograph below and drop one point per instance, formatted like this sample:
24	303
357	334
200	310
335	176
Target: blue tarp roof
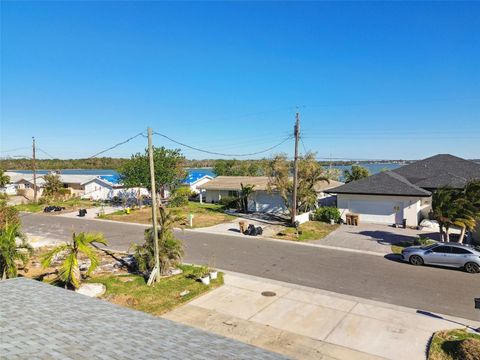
113	179
194	176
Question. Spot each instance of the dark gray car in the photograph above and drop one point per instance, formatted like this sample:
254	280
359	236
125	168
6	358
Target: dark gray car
444	254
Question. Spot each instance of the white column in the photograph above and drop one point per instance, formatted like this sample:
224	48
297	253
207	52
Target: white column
201	197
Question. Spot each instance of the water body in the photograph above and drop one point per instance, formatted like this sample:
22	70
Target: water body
372	167
94	172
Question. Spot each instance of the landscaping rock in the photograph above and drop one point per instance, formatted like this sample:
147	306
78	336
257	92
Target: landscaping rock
176	271
83	266
184	293
92	290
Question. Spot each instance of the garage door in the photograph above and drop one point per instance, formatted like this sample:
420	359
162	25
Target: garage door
382	212
268	203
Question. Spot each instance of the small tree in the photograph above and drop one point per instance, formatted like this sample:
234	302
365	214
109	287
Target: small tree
245	193
169	169
356	173
11	251
69	272
170	249
53	186
8	215
310	172
4	179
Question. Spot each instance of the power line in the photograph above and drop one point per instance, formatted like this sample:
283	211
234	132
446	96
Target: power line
117	145
12	150
223	154
46	153
303	144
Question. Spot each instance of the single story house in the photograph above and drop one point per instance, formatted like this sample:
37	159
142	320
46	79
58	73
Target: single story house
195	179
107	187
261	200
404	193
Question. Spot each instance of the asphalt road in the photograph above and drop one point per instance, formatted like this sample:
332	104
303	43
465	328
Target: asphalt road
433	289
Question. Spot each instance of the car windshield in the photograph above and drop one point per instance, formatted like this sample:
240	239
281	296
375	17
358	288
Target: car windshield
428	247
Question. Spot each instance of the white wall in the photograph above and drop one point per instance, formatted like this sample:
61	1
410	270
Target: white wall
96	190
264	201
194	186
214	195
259	201
409	204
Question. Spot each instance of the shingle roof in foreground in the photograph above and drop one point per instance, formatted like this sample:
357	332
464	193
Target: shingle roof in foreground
383	183
42	321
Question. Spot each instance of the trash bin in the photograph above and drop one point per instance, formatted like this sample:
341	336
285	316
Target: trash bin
404	223
242	226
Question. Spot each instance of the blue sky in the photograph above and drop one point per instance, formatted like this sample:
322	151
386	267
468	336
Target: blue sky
371	80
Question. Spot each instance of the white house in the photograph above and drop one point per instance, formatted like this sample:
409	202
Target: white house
108	187
261	200
195	180
404	193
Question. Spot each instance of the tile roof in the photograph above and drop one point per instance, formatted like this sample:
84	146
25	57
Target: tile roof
260	182
43	321
233	182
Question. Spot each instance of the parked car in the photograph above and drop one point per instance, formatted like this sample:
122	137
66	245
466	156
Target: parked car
444	254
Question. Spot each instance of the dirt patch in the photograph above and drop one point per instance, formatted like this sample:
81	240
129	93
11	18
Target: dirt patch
123	300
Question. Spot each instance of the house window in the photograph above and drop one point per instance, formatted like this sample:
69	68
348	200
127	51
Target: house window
233	193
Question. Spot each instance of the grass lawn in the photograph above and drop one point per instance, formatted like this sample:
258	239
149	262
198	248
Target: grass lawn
311	230
69	205
203	215
398	247
450	345
132	290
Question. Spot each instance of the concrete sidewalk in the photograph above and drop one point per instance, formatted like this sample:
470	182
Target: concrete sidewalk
307	323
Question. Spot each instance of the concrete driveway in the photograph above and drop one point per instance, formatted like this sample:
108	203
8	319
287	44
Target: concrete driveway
372	237
306	323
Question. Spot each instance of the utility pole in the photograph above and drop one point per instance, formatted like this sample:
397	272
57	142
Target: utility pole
295	168
155	275
34	170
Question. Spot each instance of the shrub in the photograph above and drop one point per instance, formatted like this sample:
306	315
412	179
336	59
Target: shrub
180	197
230	202
327	213
8	215
469	349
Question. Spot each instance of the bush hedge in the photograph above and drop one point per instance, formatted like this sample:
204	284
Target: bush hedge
230	202
327	213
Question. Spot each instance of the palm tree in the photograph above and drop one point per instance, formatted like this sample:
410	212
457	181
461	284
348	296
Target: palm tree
468	208
245	192
69	272
445	208
356	173
11	251
170	249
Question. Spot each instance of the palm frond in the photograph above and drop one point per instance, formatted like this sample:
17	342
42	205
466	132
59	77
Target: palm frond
69	272
47	258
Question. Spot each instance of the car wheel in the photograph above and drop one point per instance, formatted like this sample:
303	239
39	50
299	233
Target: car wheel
472	268
416	260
